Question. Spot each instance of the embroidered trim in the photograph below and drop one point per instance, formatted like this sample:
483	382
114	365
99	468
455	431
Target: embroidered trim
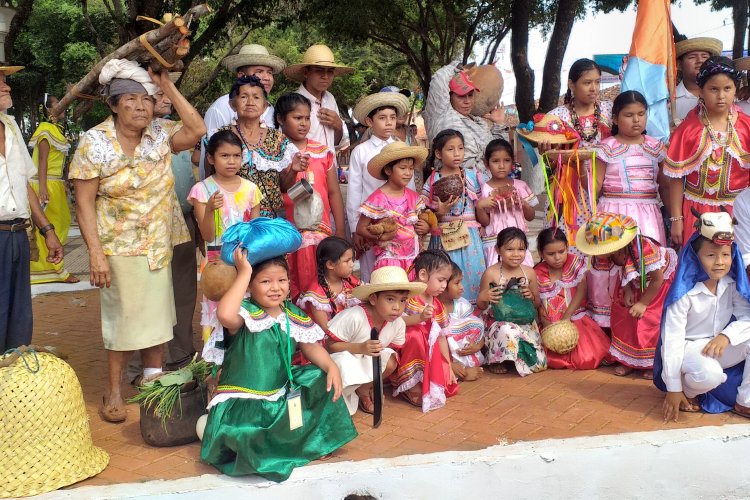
224	389
303	329
574	270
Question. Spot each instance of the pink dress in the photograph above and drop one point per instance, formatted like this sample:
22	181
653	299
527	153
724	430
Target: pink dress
403	248
500	219
629	187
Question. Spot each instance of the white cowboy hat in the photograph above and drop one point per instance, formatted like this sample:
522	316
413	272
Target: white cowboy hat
388	278
316	55
254	55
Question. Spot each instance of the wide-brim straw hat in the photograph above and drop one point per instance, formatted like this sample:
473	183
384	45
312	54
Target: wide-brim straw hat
44	428
316	55
254	55
392	152
378	100
703	44
606	232
547	128
388	278
9	70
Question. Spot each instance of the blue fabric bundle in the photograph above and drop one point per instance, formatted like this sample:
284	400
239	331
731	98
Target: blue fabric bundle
264	239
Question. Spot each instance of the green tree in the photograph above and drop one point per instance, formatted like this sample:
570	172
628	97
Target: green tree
740	10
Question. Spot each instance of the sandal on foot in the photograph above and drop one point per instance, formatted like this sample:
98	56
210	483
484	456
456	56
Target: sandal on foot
366	405
72	278
693	407
741	410
411	399
623	371
112	414
497	368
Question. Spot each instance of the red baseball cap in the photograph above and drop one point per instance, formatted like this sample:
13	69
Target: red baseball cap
461	84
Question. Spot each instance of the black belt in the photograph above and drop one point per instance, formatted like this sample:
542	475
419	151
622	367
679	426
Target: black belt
14	225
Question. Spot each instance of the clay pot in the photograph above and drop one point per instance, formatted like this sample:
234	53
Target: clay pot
445	187
180	428
216	279
489	80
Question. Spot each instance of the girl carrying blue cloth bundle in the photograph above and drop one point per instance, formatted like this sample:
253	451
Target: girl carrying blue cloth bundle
267	416
701	358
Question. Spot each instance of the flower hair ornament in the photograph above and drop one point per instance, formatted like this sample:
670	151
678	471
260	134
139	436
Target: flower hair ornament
715	226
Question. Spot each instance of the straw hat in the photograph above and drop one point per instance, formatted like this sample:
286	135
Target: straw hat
9	70
316	55
253	55
44	428
703	44
548	128
395	151
606	232
388	278
367	104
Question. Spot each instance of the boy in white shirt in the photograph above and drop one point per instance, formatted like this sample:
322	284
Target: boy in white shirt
699	339
380	112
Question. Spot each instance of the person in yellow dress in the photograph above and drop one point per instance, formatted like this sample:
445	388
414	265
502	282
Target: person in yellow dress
50	149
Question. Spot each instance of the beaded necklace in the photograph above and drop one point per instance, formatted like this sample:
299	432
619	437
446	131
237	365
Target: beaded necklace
579	127
713	136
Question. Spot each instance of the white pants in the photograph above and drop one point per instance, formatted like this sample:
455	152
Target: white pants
701	374
366	263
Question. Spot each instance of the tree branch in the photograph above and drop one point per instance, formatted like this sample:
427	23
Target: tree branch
99	45
217	69
219	21
23	12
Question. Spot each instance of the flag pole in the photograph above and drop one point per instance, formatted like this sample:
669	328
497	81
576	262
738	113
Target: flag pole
671	70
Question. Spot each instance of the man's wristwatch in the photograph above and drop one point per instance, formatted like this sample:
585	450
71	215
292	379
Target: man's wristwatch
45	229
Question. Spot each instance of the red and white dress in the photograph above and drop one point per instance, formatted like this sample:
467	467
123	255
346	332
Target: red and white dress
465	329
421	360
556	295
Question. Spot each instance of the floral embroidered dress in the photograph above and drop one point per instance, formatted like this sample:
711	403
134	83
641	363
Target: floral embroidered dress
248	424
420	359
465	330
404	210
354	326
237	207
512	216
634	340
469	258
316	298
556	295
713	164
302	263
137	210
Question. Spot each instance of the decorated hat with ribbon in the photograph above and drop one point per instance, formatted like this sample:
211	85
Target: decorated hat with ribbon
715	226
263	238
606	232
548	128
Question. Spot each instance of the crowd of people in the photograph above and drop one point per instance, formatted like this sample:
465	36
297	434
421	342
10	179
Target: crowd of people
446	288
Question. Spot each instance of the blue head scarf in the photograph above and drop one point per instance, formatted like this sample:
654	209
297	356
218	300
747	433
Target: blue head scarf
690	272
263	238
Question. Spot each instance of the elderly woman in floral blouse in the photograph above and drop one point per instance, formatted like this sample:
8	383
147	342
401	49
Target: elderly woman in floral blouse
130	217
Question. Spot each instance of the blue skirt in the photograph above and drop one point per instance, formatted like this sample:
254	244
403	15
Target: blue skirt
471	260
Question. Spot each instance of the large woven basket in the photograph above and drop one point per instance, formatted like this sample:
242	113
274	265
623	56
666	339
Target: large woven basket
560	337
45	440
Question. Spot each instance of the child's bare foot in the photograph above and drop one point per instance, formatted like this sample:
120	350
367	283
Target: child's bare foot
459	370
366	404
622	370
473	373
692	407
497	368
647	374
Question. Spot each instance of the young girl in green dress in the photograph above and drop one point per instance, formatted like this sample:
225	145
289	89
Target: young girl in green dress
258	423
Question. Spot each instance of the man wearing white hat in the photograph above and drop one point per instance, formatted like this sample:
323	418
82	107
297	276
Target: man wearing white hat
316	73
691	54
255	60
18	203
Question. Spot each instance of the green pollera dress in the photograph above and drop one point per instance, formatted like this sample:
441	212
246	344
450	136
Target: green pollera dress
248	423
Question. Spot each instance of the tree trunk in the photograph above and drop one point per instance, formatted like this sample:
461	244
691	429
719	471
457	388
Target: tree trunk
23	12
519	45
739	17
558	44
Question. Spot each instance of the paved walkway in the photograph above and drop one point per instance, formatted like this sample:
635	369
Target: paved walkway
496	409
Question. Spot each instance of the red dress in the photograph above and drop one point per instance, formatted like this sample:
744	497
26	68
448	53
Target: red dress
593	343
420	359
711	165
634	340
303	269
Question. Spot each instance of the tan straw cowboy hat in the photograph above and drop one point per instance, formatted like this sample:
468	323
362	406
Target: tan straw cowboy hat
392	152
388	278
9	70
254	55
701	44
316	55
367	104
606	232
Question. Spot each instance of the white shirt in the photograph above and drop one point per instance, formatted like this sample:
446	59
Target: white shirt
741	213
361	184
699	314
320	133
684	102
16	168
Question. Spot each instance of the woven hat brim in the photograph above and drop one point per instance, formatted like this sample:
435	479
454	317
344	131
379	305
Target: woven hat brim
603	248
705	44
546	136
376	165
374	101
296	71
362	292
9	70
235	61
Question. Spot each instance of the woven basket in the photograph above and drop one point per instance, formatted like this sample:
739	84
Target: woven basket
560	337
45	440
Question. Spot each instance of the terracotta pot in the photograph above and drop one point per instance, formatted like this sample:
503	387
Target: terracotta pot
180	427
